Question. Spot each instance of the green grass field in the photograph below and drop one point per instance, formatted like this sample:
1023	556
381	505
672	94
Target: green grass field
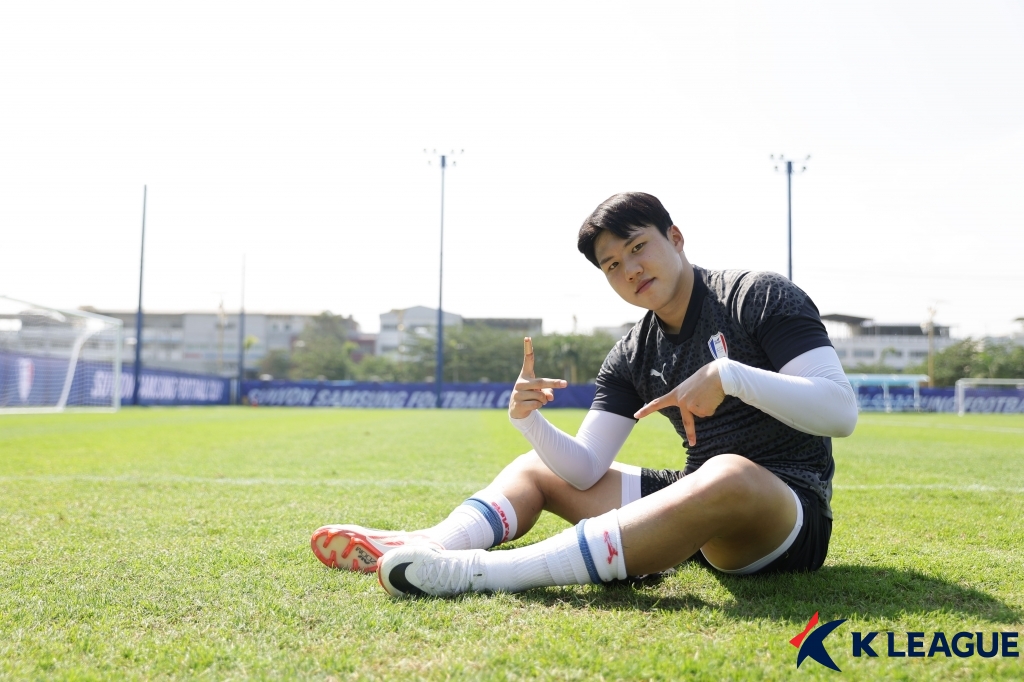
173	543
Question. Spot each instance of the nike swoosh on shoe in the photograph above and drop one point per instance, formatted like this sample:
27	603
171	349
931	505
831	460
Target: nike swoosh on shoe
399	583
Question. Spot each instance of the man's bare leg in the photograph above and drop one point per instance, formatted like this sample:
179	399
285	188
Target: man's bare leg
735	510
506	509
532	488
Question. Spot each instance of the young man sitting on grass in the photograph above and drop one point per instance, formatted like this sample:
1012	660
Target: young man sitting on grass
740	364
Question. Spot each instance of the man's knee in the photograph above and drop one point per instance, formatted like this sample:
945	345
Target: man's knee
528	466
730	483
527	462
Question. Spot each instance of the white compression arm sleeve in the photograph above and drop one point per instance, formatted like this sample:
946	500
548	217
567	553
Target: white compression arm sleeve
583	460
810	393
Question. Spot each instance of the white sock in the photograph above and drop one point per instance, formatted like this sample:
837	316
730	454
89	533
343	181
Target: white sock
555	561
561	560
604	539
484	520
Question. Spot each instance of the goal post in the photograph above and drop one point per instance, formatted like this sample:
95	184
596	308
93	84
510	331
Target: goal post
961	386
54	359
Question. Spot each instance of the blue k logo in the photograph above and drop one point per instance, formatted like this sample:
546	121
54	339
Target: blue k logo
814	643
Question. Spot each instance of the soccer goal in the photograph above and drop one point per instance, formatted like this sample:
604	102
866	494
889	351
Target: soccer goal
962	385
52	360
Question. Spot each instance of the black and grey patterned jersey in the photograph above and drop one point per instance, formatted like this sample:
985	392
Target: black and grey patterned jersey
758	318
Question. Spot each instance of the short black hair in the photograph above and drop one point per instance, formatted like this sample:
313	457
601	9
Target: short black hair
623	215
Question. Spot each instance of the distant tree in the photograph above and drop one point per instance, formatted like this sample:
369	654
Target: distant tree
471	353
475	353
577	358
277	363
381	368
951	363
323	349
1000	361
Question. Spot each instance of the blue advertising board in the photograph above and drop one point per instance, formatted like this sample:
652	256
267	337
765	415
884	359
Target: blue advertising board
495	396
38	381
165	387
33	381
901	399
397	396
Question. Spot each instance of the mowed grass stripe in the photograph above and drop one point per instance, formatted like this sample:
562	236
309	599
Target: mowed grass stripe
174	544
172	479
386	483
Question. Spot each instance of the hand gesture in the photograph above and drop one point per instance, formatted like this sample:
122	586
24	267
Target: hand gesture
531	393
700	395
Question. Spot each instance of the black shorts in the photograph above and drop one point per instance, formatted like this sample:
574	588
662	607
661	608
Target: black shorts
808	551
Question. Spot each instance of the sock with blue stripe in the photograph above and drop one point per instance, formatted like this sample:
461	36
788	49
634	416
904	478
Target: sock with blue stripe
589	553
600	542
484	520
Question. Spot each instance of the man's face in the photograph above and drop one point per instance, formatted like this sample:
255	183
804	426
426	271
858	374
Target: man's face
645	269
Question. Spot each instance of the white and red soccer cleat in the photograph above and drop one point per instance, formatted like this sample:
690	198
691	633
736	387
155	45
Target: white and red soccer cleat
356	548
421	570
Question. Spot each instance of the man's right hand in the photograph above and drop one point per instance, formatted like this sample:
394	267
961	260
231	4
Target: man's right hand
531	393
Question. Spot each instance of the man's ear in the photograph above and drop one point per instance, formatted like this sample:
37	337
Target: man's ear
675	236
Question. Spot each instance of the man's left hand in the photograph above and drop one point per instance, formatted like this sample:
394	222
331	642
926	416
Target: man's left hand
699	395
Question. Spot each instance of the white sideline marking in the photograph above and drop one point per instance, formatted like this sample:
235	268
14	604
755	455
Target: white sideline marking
974	488
170	478
950	427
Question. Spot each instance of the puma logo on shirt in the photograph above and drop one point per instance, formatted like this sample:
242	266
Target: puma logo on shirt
660	375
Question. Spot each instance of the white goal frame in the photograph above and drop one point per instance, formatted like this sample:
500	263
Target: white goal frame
963	384
92	324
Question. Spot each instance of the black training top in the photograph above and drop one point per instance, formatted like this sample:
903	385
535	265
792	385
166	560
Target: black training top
758	318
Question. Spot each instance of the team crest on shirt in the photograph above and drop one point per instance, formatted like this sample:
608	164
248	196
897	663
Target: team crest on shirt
719	349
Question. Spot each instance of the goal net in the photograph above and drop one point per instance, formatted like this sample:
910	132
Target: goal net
989	395
54	359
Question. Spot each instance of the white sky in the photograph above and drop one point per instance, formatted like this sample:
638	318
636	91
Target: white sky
294	133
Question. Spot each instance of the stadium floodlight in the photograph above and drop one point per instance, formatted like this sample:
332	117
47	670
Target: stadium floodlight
961	386
53	359
787	168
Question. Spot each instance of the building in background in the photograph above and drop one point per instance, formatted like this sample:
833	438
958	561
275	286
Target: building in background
400	327
207	342
526	326
861	341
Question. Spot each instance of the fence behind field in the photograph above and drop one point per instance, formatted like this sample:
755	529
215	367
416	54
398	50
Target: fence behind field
901	399
495	396
94	382
28	380
397	396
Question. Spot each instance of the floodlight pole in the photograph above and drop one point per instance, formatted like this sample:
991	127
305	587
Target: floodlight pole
789	218
137	369
789	204
439	369
241	336
439	363
931	346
